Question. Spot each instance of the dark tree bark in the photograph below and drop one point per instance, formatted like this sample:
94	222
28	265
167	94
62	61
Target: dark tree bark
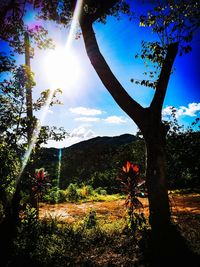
147	119
155	136
29	105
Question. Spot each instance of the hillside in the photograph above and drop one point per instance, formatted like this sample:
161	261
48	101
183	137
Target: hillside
95	161
114	141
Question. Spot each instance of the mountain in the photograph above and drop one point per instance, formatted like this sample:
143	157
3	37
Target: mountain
104	141
95	161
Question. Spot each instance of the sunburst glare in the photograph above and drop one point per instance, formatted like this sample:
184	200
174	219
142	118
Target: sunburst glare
64	64
62	68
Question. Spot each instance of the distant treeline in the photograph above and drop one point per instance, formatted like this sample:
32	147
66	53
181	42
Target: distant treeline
98	161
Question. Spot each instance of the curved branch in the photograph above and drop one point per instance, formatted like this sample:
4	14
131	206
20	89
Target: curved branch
101	8
122	98
163	80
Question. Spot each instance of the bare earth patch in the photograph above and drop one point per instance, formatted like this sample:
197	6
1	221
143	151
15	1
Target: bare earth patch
187	204
185	213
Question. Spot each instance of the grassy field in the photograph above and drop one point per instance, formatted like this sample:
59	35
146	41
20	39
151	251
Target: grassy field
111	213
97	233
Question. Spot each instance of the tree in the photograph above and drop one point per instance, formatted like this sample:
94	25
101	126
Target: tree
18	125
149	120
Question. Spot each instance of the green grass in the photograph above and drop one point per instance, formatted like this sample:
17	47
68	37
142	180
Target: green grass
101	198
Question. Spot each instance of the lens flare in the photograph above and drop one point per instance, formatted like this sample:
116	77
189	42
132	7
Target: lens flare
58	172
62	68
47	104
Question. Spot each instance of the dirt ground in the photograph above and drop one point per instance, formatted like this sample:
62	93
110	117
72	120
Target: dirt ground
182	206
185	214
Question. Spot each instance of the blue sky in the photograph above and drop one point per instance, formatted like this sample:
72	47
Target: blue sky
88	110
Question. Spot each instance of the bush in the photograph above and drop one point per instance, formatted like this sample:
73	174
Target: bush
91	219
54	195
86	191
101	191
72	193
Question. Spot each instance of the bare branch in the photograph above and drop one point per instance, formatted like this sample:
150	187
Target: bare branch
123	99
163	80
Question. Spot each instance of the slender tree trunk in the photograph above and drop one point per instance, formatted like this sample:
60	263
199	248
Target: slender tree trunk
154	132
29	105
166	245
156	183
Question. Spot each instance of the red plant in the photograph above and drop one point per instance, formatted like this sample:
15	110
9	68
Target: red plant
130	183
40	182
129	180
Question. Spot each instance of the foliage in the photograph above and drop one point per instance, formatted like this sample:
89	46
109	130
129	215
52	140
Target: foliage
40	182
107	156
101	191
9	173
17	125
56	244
86	191
182	153
72	193
173	22
90	220
13	27
54	195
77	167
2	214
130	181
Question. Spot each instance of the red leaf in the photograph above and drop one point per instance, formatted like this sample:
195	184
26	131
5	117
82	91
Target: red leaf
42	174
127	166
135	168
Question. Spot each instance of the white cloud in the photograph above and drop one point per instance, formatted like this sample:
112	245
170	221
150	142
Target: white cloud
87	119
115	119
85	111
167	111
77	135
89	134
190	111
82	132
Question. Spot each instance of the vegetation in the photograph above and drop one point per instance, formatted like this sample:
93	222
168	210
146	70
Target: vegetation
76	194
53	244
182	160
28	241
91	240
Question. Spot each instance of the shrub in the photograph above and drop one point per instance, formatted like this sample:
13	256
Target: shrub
72	193
91	219
129	179
101	191
54	195
86	191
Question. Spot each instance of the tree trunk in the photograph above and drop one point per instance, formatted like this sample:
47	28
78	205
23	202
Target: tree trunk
155	138
166	246
154	132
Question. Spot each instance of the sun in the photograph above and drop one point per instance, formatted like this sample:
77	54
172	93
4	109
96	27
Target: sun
62	68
